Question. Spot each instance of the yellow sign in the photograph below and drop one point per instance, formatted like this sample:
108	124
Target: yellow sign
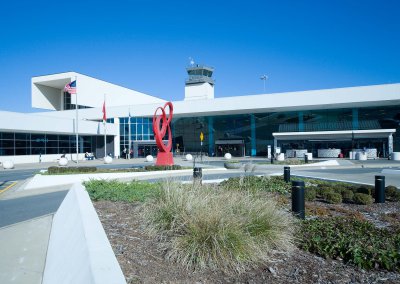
201	136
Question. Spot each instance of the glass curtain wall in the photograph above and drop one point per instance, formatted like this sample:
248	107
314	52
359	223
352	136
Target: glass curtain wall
34	144
232	129
141	130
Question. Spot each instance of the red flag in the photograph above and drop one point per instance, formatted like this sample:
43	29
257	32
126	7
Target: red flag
104	112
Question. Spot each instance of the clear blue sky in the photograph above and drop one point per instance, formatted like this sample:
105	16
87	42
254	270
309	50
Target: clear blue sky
145	45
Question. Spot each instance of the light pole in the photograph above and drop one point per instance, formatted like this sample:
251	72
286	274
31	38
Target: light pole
264	78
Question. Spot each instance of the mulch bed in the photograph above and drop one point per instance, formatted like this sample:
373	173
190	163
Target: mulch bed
143	262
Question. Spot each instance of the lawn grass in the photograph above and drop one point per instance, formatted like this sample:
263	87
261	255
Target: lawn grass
121	191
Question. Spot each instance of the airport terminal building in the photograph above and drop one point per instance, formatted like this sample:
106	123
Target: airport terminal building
327	122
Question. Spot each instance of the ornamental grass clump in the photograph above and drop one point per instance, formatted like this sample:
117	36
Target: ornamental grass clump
220	229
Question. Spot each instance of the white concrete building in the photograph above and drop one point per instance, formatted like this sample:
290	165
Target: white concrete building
365	117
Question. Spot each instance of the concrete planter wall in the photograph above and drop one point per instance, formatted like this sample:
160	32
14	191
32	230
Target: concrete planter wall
79	251
232	166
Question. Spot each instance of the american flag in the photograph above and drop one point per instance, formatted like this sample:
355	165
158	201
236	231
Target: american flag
71	87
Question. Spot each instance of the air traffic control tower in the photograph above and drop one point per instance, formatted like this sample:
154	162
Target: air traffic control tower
200	85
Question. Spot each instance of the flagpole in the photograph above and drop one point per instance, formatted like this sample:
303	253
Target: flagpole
76	110
105	130
129	124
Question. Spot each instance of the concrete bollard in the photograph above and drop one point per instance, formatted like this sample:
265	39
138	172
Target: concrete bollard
286	174
379	189
298	202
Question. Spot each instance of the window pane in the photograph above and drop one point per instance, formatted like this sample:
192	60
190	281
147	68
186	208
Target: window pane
51	150
22	136
6	151
22	144
6	143
22	151
8	135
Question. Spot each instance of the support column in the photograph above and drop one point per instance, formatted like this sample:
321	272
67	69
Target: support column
355	119
210	136
301	121
135	149
390	144
117	140
253	135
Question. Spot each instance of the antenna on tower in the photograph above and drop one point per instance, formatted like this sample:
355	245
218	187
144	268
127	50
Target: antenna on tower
191	61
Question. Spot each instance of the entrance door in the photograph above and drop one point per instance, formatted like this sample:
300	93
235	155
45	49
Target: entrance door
234	147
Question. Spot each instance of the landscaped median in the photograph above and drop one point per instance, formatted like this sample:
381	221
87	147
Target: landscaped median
243	230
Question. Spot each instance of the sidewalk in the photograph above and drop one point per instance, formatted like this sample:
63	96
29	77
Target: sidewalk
23	249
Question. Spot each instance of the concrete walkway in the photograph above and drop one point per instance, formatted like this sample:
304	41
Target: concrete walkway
23	248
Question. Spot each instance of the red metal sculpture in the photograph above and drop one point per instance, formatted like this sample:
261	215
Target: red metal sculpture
164	156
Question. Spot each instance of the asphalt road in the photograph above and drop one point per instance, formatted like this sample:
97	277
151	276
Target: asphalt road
25	208
15	175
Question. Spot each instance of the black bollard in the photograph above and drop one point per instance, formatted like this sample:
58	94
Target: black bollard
286	174
306	158
298	202
272	159
379	189
197	174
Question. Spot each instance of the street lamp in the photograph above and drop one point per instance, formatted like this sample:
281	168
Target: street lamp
264	78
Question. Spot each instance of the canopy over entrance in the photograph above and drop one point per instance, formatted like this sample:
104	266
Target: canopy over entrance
334	135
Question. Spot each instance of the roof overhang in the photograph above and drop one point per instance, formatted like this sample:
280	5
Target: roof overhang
334	135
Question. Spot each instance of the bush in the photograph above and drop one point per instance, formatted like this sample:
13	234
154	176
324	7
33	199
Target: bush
69	170
323	192
219	229
333	198
310	194
162	168
392	193
365	190
356	242
254	184
121	191
362	198
347	195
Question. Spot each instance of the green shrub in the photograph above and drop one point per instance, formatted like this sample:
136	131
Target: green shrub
254	184
365	190
162	168
69	170
333	198
347	195
392	193
356	242
362	198
220	229
323	192
310	194
121	191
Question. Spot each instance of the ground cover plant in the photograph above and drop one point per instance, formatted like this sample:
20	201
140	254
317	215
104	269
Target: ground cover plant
355	241
254	183
121	191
